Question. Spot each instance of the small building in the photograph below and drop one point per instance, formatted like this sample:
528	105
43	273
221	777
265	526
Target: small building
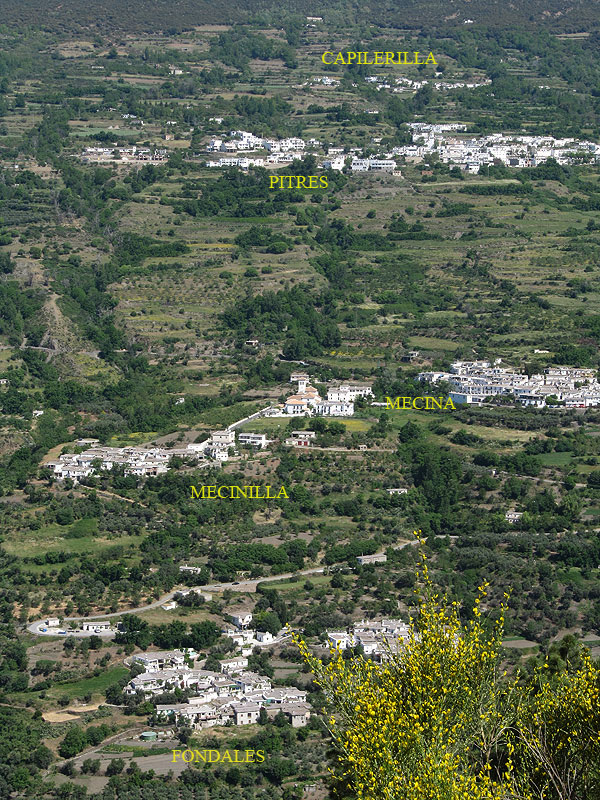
241	619
253	439
396	491
334	408
245	713
513	516
301	438
160	659
232	665
412	355
218	453
222	438
53	622
97	627
376	558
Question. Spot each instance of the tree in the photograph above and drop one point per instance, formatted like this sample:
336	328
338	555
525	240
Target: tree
437	473
409	432
91	766
115	767
7	265
269	622
42	757
184	734
74	742
212	663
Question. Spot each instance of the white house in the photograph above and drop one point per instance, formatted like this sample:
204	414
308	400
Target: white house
372	559
96	626
233	665
301	438
295	406
245	713
349	391
253	439
158	660
336	164
241	619
382	165
330	408
341	639
223	438
513	516
218	453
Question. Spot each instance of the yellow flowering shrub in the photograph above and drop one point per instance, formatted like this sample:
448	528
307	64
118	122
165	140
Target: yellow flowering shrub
437	720
557	733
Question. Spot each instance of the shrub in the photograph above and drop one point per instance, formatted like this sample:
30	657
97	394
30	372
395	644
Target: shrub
439	719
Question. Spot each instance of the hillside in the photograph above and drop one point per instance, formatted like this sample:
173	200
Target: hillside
107	16
261	318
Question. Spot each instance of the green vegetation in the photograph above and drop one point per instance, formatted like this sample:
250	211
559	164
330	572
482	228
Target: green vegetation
477	734
130	284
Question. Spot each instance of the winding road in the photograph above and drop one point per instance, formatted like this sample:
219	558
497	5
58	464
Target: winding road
247	586
241	586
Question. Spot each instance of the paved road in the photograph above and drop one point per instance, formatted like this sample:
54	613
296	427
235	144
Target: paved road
241	586
237	586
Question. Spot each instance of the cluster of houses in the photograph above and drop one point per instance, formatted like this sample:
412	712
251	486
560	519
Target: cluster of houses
284	151
140	461
280	151
402	84
219	447
447	140
306	401
149	461
221	444
234	695
377	639
471	153
474	381
96	155
245	140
